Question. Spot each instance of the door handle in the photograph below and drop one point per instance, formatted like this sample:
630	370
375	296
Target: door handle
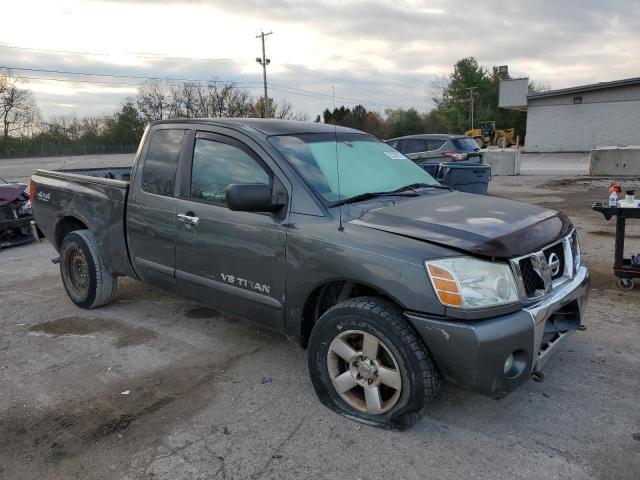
188	218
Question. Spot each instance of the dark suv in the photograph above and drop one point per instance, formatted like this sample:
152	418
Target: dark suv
436	148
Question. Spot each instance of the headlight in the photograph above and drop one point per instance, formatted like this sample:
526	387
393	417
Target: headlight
465	282
25	209
575	248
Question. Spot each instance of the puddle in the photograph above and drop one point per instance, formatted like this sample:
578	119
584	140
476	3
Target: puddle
201	313
126	335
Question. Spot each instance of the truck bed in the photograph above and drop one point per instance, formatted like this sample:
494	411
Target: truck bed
95	197
113	173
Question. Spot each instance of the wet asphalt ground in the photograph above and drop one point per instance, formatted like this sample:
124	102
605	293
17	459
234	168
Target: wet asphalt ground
157	386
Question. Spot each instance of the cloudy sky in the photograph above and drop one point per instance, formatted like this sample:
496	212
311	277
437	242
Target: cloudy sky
382	53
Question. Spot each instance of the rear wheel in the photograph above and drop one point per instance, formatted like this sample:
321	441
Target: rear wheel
366	363
84	276
626	284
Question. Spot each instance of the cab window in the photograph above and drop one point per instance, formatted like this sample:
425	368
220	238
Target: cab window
161	162
216	165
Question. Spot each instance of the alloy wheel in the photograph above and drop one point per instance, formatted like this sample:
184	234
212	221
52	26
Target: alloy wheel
364	372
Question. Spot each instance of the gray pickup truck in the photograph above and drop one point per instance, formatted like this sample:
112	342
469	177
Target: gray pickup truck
391	280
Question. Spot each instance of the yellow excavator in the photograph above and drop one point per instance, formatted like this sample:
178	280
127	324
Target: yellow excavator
487	135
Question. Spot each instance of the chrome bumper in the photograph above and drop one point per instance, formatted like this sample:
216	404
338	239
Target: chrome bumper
576	289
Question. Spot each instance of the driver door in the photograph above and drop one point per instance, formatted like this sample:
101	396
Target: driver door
233	261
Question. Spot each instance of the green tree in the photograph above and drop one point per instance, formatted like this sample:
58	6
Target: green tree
403	122
125	127
453	106
454	101
436	121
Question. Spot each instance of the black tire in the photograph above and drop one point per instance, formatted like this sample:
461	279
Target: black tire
626	284
382	319
98	284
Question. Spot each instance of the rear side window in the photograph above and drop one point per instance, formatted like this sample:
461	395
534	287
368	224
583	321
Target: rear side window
434	144
413	145
161	162
465	144
217	165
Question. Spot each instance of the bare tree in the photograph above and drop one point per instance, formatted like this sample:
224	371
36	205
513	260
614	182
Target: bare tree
91	126
282	110
189	94
154	101
225	99
18	108
437	88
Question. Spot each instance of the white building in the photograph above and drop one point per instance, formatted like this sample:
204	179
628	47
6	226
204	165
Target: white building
579	118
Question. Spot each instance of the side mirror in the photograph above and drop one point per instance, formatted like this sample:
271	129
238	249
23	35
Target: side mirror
253	197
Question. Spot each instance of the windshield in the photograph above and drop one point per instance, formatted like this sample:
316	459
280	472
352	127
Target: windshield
465	144
3	181
364	163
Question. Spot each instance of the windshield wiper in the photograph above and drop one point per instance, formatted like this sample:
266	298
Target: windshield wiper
402	191
359	198
368	195
413	186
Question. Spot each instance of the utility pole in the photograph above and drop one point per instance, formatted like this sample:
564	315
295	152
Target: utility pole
264	61
471	97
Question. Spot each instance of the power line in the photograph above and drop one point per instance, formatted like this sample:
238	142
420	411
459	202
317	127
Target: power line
113	75
46	50
353	101
371	69
159	56
244	84
164	56
356	83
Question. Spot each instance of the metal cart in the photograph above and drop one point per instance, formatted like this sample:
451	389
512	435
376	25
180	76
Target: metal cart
622	267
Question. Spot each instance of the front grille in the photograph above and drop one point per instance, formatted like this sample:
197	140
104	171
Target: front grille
558	250
530	279
7	213
540	272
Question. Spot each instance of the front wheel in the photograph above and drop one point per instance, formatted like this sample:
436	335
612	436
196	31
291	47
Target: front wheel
87	282
366	363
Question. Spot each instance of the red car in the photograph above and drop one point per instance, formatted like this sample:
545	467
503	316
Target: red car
16	219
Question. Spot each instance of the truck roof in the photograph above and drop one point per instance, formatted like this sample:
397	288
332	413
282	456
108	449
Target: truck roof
267	126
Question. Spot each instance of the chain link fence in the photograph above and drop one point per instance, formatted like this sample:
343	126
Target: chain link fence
37	149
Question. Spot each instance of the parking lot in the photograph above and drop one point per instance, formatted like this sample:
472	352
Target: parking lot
157	386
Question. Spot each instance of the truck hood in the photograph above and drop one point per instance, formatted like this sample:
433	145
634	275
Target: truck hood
481	225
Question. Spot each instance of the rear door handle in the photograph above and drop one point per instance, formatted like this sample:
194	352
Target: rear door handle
189	218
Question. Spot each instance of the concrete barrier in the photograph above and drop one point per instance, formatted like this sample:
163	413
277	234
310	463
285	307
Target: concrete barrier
503	161
618	161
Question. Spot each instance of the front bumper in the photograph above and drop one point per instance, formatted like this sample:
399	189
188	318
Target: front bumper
17	231
473	354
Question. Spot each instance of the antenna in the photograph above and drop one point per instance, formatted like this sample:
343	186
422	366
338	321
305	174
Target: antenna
335	136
